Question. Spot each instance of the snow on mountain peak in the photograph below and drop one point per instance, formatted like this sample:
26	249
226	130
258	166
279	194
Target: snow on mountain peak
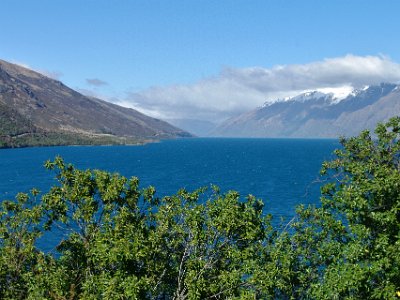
333	94
304	96
338	93
309	95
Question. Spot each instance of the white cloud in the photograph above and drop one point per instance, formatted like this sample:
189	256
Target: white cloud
51	74
236	90
21	64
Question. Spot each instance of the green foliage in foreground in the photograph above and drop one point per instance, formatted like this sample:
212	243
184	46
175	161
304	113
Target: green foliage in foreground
122	242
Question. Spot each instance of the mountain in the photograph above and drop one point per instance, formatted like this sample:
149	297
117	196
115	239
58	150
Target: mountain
37	110
317	115
197	127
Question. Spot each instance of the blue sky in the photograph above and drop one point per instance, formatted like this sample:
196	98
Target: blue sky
165	57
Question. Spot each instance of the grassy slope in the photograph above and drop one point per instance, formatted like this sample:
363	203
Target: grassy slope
17	131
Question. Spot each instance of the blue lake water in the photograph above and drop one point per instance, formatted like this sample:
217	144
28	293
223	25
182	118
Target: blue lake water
279	171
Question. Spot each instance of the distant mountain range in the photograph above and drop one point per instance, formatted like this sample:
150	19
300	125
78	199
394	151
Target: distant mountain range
37	110
316	114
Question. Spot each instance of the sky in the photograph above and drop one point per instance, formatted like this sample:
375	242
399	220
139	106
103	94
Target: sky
203	60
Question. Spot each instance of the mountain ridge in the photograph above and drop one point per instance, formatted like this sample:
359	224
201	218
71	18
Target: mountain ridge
317	115
31	103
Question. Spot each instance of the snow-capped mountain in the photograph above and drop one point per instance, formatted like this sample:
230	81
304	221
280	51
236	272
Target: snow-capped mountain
333	95
320	113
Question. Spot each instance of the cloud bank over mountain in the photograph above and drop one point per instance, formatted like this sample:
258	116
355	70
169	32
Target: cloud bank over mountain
234	90
317	115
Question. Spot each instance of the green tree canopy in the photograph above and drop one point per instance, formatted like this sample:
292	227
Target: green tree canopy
119	241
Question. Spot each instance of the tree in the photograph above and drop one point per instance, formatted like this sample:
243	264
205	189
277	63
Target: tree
19	229
349	247
118	241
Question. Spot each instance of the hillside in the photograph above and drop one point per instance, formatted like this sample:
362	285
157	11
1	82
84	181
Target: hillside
317	115
37	110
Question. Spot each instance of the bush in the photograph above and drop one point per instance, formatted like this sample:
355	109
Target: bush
122	242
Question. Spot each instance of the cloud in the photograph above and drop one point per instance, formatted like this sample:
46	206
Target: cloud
87	92
21	64
237	90
51	74
96	82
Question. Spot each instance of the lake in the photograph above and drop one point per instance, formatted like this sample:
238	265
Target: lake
282	172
